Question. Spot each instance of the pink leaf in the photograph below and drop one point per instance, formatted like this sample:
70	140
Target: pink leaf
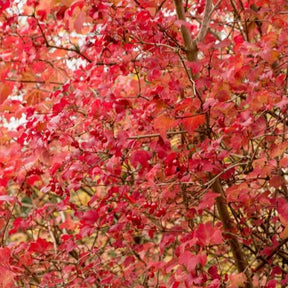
179	23
279	149
208	235
237	280
208	200
7	198
190	261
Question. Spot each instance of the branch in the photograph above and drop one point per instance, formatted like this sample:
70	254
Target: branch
215	7
210	30
205	22
221	202
190	44
75	50
101	63
228	225
274	251
160	6
52	237
139	4
170	37
156	135
189	75
34	81
35	278
153	43
286	82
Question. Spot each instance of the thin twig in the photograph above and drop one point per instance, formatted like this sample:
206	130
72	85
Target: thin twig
273	252
215	7
286	82
188	73
35	278
34	81
77	51
160	6
156	135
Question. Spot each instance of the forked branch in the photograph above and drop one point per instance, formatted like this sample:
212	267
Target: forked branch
190	45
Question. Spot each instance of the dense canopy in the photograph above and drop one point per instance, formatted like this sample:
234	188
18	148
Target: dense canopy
143	143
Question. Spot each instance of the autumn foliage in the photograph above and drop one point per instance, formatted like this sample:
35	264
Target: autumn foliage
143	143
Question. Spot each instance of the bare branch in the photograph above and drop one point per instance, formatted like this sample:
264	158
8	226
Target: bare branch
34	81
156	135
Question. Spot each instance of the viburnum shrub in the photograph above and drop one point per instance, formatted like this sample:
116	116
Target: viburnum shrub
143	143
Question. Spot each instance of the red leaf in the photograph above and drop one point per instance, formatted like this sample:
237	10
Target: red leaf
213	271
6	277
191	123
166	241
4	256
201	6
129	198
54	168
271	284
141	157
32	179
57	108
163	123
40	246
90	217
67	243
209	103
283	104
276	181
42	14
270	56
4	5
285	280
